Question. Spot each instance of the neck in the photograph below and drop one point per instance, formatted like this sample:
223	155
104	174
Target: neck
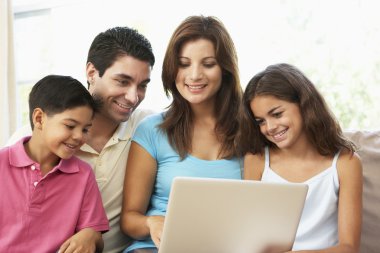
302	149
203	111
101	131
37	151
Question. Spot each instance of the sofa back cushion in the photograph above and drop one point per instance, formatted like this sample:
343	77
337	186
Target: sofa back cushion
368	144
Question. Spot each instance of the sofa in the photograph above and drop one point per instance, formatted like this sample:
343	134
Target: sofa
368	144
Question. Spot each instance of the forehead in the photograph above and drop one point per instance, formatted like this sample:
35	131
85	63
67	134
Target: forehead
82	113
261	105
130	66
198	46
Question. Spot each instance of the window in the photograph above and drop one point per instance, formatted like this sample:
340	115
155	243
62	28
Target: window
33	53
335	43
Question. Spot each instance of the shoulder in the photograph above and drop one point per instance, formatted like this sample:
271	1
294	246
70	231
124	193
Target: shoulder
349	159
253	166
21	132
140	114
82	166
4	152
349	165
151	120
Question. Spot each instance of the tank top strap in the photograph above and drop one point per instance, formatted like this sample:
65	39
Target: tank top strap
266	157
336	156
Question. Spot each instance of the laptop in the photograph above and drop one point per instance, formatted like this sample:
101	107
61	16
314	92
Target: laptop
206	215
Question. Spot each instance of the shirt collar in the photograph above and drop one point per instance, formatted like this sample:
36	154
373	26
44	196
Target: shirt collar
121	132
20	159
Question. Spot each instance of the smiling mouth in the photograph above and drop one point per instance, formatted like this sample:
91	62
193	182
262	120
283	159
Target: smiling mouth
280	134
123	105
196	87
71	146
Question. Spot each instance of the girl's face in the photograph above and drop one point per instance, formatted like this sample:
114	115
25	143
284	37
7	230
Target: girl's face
280	121
64	133
199	75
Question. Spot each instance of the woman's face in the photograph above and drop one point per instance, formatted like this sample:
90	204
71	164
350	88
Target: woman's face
199	75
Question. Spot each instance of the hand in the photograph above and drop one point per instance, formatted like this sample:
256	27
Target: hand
156	225
85	241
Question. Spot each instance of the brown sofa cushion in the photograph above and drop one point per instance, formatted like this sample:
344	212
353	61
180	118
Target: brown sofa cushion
368	144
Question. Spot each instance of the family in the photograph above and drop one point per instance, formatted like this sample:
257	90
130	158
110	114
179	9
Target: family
93	174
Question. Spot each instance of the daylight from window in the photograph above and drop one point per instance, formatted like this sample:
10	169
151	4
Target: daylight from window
335	43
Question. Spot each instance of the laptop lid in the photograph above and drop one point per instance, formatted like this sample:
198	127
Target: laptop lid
206	215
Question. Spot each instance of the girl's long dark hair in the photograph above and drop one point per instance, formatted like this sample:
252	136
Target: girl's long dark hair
286	82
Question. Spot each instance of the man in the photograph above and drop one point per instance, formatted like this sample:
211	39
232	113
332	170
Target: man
118	70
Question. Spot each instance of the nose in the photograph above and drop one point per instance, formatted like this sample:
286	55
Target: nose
195	73
78	134
132	96
271	125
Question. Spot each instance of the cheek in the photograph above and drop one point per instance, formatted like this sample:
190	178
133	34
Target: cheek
84	139
141	95
216	75
262	129
180	77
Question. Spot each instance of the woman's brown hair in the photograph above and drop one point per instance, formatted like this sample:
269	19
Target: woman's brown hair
288	83
178	120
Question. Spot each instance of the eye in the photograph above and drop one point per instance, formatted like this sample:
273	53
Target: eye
183	65
277	114
71	127
209	64
85	130
259	122
143	86
122	82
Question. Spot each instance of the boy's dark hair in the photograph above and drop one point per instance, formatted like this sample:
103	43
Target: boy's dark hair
108	46
55	94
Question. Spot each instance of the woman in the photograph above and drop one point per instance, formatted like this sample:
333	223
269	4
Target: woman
195	137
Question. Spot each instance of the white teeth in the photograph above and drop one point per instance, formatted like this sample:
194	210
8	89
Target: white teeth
70	146
196	87
123	106
279	134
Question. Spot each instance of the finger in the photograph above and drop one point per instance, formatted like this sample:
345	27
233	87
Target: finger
64	246
69	249
156	241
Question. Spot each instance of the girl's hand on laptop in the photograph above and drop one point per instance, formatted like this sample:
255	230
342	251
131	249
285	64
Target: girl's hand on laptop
156	225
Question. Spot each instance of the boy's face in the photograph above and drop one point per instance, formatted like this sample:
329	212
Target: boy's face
121	88
64	133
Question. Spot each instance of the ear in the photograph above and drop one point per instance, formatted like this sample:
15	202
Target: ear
91	73
38	118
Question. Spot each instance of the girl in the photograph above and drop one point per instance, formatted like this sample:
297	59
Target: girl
195	137
289	135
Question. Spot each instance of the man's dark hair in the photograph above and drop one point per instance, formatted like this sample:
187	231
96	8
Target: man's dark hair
108	46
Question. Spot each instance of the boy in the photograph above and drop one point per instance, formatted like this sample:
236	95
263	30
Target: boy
48	195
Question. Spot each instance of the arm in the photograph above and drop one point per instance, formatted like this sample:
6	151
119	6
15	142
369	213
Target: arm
253	166
138	185
349	207
84	241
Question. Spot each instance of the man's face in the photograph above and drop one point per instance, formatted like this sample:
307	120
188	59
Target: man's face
121	88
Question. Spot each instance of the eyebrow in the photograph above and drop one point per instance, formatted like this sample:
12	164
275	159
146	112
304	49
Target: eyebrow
205	58
273	109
